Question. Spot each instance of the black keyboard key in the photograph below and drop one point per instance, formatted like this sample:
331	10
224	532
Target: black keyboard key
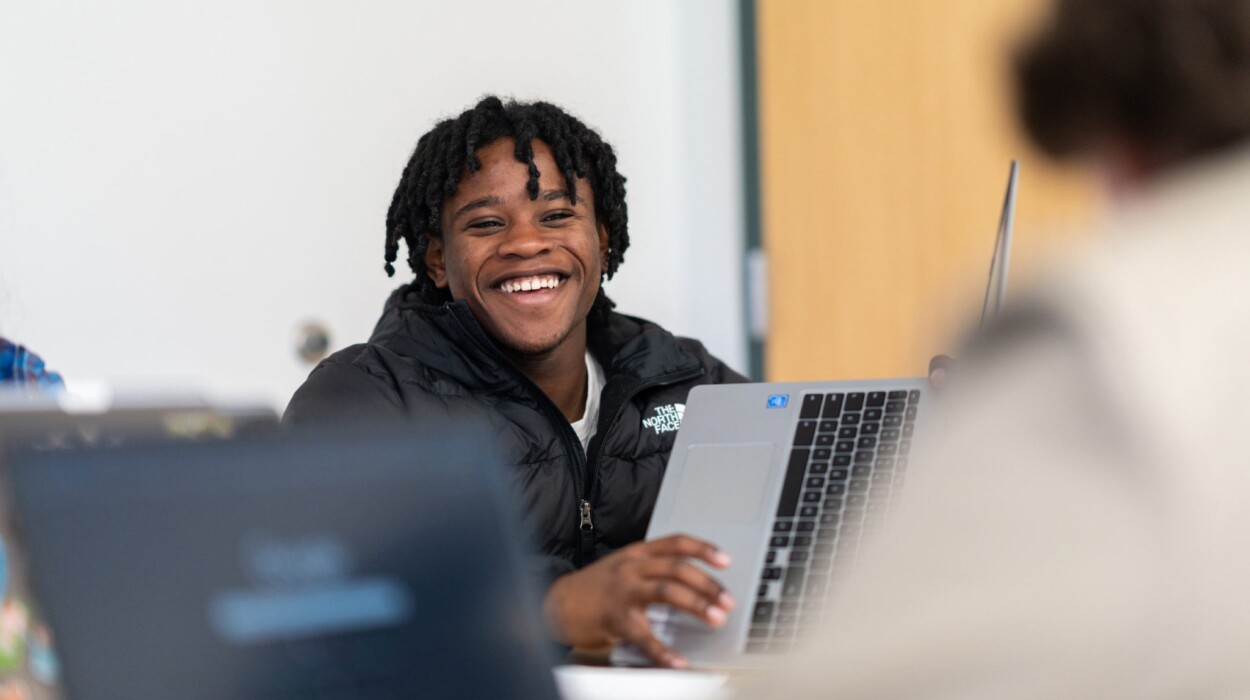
882	478
812	496
885	463
859	485
854	402
849	432
794	482
835	489
876	398
856	500
793	586
821	454
892	421
772	573
824	439
818	468
890	434
839	475
867	443
842	460
833	406
894	407
812	403
863	456
888	449
872	414
861	470
782	526
850	419
801	542
911	413
826	534
763	591
869	428
913	396
764	611
826	519
909	430
806	526
798	556
834	502
822	549
855	512
809	511
779	541
844	446
770	557
897	395
805	433
827	426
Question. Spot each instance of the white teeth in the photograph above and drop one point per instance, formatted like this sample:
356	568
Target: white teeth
526	284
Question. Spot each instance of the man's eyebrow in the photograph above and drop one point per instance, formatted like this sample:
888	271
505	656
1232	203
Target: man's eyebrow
552	195
475	204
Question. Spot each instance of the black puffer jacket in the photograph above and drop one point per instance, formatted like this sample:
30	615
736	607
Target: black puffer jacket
436	363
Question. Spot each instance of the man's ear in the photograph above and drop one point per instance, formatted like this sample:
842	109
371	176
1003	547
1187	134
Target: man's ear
603	245
435	263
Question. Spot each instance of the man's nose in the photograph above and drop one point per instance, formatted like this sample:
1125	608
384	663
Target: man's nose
525	239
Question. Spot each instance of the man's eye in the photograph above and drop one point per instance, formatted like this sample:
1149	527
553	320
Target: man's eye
557	215
485	225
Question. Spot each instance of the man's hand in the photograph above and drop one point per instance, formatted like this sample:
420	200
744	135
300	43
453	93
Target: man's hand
607	601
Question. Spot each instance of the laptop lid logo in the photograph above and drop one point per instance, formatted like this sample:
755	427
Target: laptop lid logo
778	400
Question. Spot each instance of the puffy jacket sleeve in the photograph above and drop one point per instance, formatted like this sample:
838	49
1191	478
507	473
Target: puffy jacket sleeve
342	390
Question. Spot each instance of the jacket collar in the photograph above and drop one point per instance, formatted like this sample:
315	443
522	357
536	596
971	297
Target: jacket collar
449	340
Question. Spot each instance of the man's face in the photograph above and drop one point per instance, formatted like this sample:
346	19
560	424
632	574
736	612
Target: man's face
528	269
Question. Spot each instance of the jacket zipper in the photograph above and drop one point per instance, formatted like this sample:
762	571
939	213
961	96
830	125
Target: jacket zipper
591	465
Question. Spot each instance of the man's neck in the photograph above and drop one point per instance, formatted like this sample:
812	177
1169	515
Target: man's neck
561	374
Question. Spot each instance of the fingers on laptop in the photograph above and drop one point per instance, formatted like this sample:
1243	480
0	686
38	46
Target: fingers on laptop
716	601
687	546
640	635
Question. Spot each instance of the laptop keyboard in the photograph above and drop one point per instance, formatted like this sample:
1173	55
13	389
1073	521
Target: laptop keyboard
849	454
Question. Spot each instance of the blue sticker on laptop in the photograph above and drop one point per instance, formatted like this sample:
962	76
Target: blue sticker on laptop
778	400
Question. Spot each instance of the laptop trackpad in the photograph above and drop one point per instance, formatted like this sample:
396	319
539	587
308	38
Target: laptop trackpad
723	484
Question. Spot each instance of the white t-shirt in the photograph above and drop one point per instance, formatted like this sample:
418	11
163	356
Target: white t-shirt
585	428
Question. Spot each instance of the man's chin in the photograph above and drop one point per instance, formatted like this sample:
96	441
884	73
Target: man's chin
528	345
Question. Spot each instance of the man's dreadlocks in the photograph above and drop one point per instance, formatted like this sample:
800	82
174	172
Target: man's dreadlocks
449	151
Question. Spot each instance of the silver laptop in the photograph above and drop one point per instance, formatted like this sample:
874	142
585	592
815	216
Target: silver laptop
786	478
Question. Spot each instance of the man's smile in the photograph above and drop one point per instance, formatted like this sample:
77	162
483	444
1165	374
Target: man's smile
531	283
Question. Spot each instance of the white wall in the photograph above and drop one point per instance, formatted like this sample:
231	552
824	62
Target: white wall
181	184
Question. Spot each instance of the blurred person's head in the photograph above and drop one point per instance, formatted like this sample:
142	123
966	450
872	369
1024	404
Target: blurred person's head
1138	85
518	210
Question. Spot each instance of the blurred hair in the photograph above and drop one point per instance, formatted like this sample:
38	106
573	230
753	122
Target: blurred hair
1169	77
448	152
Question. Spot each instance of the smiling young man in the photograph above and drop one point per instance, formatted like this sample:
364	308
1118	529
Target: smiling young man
513	215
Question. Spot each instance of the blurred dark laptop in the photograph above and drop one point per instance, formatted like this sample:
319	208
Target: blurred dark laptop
282	566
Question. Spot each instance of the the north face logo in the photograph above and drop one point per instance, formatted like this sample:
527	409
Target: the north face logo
667	419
